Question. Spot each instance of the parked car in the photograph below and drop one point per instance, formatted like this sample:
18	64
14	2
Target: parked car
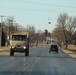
53	47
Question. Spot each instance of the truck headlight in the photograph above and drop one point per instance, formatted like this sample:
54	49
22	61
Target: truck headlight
12	46
24	47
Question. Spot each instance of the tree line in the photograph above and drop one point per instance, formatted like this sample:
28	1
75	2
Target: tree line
65	30
9	26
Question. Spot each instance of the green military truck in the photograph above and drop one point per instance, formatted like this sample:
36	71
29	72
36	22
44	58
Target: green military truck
19	42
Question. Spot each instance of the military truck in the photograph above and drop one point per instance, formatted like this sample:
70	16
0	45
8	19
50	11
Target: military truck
19	42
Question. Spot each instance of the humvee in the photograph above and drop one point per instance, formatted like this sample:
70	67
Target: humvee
19	42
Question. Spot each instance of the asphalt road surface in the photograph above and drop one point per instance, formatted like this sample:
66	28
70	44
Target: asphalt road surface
39	62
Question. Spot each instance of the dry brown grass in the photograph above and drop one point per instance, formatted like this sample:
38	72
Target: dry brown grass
71	50
71	47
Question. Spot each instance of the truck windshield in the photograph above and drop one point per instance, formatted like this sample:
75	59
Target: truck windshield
19	37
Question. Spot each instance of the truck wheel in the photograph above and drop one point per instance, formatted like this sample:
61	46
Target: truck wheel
27	52
11	52
49	51
57	51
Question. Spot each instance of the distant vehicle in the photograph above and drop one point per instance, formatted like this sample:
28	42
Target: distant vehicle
49	40
53	47
19	43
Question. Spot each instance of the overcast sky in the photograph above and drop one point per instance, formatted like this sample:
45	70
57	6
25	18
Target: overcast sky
37	12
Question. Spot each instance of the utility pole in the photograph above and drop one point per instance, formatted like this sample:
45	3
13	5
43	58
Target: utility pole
1	29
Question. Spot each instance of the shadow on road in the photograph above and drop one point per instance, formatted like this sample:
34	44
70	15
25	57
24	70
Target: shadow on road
48	55
31	56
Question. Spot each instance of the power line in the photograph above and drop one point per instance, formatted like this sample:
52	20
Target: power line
37	10
44	4
32	9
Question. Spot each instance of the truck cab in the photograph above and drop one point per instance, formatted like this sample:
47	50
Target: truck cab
19	42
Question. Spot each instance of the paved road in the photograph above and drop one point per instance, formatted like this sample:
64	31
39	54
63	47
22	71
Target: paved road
39	62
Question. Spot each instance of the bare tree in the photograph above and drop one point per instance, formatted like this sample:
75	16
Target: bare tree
31	30
71	25
9	23
57	34
67	25
12	27
62	21
74	38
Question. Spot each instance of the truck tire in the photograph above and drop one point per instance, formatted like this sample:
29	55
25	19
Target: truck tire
57	51
11	52
27	52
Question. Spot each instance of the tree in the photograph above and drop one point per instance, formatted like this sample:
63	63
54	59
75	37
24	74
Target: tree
9	25
74	38
62	21
71	25
3	37
66	26
57	34
31	30
46	32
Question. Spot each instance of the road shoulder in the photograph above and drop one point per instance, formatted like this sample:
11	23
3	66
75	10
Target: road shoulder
70	53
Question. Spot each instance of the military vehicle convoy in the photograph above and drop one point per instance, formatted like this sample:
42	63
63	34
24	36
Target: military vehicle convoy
19	42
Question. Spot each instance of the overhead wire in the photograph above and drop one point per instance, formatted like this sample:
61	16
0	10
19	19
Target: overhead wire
14	8
36	9
43	4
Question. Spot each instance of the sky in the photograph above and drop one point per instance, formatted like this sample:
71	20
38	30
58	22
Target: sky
37	12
